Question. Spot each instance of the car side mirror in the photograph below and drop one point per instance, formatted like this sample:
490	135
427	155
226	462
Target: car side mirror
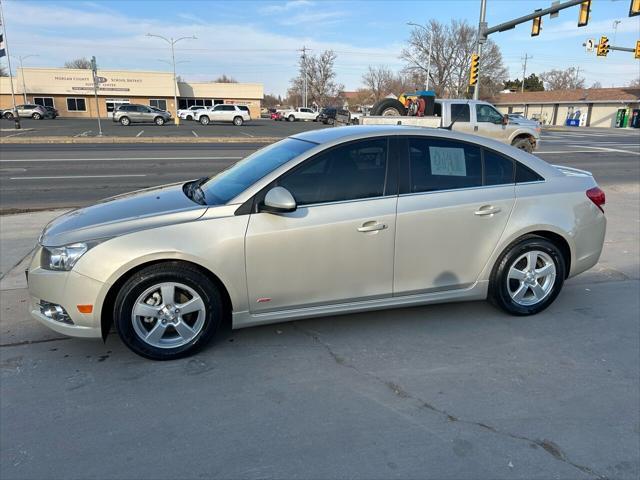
278	200
505	119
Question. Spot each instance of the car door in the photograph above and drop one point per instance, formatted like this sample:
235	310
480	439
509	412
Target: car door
489	122
217	114
451	213
337	246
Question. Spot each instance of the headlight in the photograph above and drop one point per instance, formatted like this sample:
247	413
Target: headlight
63	258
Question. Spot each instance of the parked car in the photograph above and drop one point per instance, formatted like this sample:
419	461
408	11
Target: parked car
327	115
275	115
37	112
223	113
51	112
300	113
519	119
132	113
189	113
325	222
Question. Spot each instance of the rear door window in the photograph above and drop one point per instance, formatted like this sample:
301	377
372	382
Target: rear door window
460	112
498	169
438	164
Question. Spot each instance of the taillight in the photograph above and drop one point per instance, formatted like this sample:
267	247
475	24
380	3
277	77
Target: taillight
596	195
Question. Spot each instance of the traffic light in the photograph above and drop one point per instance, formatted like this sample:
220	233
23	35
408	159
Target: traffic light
583	17
537	25
475	69
634	8
603	47
637	52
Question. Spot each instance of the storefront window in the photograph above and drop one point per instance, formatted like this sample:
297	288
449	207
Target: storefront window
76	105
158	103
44	101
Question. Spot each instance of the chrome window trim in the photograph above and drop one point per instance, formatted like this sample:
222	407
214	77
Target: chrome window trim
470	188
339	202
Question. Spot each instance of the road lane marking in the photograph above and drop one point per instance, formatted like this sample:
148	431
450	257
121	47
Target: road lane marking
112	159
78	176
83	134
581	151
247	134
16	134
140	133
606	149
194	134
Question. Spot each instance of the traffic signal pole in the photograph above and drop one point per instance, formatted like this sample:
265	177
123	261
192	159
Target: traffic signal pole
484	31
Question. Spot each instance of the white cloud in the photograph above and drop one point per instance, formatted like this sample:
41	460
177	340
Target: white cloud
285	7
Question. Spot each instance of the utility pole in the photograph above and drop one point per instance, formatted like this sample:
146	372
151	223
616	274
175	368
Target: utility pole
16	116
430	34
482	38
172	42
304	75
24	85
524	69
94	71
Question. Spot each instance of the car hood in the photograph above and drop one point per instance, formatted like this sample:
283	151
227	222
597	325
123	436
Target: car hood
140	210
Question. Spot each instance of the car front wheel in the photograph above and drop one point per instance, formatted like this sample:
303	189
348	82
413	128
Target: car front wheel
125	121
167	311
36	116
159	121
528	277
523	144
204	120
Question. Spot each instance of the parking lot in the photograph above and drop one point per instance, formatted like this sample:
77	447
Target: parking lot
78	127
459	391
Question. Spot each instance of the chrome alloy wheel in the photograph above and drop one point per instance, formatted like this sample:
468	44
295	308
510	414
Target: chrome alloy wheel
168	315
531	278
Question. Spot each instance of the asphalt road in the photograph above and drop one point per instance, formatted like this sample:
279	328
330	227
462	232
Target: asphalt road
70	175
454	391
79	127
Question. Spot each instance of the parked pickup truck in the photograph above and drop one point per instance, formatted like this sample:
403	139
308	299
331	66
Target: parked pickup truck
301	113
468	116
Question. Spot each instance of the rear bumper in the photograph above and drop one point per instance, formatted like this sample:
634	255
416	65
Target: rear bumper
589	241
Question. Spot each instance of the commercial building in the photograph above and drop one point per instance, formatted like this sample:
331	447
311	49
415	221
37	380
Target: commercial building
71	91
590	107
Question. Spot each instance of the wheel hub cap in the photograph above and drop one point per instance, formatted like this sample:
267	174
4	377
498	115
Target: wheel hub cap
531	278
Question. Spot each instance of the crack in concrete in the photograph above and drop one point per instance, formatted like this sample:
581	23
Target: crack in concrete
33	342
547	445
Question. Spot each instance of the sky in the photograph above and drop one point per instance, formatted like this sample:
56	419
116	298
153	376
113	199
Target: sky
259	41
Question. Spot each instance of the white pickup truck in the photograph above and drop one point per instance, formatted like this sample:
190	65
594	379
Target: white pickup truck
468	116
300	113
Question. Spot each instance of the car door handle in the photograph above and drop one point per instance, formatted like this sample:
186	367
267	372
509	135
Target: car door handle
371	227
487	210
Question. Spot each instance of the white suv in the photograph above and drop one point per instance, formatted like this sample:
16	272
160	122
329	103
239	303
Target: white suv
222	113
189	113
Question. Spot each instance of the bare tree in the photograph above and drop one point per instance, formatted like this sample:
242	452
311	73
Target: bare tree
225	79
453	45
567	79
596	85
381	81
322	88
81	63
634	83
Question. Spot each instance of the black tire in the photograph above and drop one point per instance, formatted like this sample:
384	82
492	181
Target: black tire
189	117
125	121
36	116
331	121
204	120
388	107
499	285
167	272
238	121
159	121
8	115
523	144
291	118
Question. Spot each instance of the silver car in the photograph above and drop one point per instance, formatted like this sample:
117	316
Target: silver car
321	223
37	112
131	113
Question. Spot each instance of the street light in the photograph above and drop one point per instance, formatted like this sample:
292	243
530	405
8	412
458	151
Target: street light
430	33
20	58
171	41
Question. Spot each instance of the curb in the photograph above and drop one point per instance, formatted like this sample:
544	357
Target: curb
63	140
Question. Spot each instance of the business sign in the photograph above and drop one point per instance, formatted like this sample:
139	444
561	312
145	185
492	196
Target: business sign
101	79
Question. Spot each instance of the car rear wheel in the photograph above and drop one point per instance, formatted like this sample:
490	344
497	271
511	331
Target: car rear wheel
167	311
291	118
238	121
204	120
125	121
528	277
8	115
159	121
36	116
523	144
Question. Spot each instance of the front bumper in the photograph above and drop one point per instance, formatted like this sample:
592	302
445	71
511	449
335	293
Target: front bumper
67	289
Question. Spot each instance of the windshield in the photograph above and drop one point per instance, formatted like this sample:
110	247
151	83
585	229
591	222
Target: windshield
226	185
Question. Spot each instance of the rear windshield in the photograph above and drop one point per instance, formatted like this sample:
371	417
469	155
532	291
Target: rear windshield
228	184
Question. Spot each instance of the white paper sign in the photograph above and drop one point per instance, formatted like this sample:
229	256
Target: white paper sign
447	161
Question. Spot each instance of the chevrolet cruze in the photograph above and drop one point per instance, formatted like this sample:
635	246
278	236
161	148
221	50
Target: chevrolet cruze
321	223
